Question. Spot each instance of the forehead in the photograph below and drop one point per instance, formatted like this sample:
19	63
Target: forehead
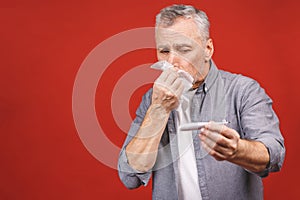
182	31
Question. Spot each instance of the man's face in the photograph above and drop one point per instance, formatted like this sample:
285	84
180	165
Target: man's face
181	45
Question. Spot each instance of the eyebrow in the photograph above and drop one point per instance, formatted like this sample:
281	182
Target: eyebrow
182	45
163	46
175	45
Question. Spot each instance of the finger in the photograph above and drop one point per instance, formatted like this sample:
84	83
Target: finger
163	76
219	151
224	151
210	143
222	129
179	91
176	84
206	147
229	133
213	126
212	152
178	87
172	76
216	137
166	79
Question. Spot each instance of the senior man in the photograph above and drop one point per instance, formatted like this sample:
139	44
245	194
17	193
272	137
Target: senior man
238	154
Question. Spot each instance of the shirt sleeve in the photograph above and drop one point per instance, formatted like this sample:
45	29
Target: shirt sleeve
260	123
131	177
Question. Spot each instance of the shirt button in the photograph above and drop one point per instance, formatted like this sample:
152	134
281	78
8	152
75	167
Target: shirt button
205	89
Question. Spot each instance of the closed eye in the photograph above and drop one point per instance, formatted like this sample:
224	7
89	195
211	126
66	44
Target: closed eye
164	51
184	50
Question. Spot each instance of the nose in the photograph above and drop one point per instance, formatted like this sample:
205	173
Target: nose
173	59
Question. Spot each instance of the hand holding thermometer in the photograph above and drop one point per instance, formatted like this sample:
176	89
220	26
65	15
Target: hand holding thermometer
197	125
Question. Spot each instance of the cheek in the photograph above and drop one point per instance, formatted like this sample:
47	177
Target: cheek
159	57
188	67
197	59
192	61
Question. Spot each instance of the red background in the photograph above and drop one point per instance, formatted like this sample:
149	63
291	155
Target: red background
43	44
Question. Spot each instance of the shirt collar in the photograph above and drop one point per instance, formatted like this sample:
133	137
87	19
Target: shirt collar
210	78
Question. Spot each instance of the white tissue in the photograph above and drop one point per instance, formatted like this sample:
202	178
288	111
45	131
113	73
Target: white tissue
161	65
186	78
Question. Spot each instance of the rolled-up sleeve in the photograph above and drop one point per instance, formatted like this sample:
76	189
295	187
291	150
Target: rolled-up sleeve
131	177
260	123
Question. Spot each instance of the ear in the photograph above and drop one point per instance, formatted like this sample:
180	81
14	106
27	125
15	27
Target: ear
209	49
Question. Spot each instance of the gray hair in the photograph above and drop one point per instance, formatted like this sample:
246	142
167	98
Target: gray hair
168	15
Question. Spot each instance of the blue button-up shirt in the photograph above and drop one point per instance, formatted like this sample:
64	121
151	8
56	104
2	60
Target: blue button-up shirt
223	95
